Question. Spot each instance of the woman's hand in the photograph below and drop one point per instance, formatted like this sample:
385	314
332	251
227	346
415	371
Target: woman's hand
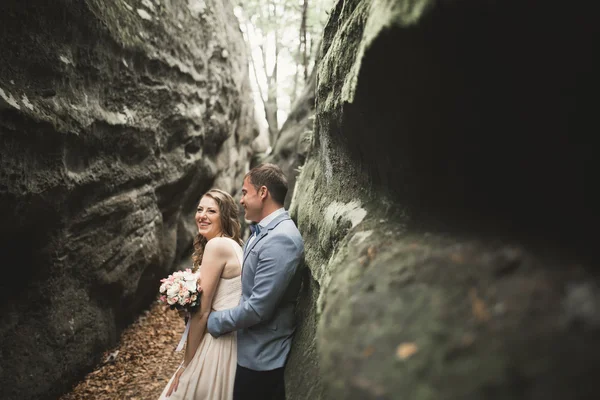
175	383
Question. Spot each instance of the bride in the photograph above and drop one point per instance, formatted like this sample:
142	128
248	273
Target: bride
209	365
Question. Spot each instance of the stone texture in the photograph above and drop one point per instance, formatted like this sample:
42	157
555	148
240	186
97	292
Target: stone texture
114	118
445	204
293	140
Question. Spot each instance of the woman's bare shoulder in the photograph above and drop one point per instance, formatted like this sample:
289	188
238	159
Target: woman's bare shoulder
219	245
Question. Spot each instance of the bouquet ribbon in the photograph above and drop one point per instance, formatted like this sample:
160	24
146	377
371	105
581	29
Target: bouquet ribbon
184	336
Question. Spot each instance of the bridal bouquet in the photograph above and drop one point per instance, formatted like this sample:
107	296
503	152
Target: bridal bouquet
181	290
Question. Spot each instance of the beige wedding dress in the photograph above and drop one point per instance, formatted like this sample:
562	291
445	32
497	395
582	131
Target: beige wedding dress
211	373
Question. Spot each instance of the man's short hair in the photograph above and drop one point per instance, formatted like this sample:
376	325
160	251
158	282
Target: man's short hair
271	176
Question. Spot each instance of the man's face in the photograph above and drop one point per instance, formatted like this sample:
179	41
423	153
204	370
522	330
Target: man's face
251	201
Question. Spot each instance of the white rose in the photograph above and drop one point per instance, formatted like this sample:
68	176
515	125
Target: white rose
189	276
171	300
191	285
173	291
162	288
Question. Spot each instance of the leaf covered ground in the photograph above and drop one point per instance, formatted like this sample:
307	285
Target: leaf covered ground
140	366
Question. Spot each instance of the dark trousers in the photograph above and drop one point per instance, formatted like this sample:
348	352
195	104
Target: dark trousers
266	385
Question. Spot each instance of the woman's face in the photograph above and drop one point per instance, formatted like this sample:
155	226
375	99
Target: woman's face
208	218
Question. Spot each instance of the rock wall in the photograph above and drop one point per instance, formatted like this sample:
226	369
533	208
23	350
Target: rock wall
114	118
293	140
446	204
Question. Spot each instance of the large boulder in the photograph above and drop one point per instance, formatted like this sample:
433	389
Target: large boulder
445	204
114	118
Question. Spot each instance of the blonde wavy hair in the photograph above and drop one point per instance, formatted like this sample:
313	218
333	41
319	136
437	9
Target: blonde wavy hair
230	223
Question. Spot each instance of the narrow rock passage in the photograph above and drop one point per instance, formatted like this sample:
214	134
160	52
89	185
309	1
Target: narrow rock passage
144	363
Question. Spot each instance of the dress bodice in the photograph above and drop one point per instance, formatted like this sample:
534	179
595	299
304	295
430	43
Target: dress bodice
228	293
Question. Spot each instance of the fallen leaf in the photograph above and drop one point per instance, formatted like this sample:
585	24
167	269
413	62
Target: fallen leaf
406	350
111	357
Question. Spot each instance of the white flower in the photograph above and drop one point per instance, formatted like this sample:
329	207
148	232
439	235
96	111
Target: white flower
189	275
191	285
173	290
162	288
171	300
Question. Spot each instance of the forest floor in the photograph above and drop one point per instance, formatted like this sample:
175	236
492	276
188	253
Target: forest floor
140	366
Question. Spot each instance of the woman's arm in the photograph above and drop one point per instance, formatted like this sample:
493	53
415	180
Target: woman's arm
215	257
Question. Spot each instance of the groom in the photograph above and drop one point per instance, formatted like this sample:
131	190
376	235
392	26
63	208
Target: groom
264	319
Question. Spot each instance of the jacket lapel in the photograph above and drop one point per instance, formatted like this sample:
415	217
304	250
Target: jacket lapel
264	232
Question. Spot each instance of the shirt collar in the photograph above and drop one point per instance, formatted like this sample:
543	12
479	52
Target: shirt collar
269	218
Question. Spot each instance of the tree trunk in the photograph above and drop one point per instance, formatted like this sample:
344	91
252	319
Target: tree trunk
271	103
301	60
305	58
271	107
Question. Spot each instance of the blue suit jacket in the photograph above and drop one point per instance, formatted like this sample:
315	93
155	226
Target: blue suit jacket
264	319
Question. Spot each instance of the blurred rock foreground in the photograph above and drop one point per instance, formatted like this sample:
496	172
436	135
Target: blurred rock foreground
114	118
446	204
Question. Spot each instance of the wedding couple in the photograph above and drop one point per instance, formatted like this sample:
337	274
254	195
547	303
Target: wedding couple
240	337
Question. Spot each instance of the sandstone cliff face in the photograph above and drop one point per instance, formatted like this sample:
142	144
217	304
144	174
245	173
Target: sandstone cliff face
114	118
445	204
